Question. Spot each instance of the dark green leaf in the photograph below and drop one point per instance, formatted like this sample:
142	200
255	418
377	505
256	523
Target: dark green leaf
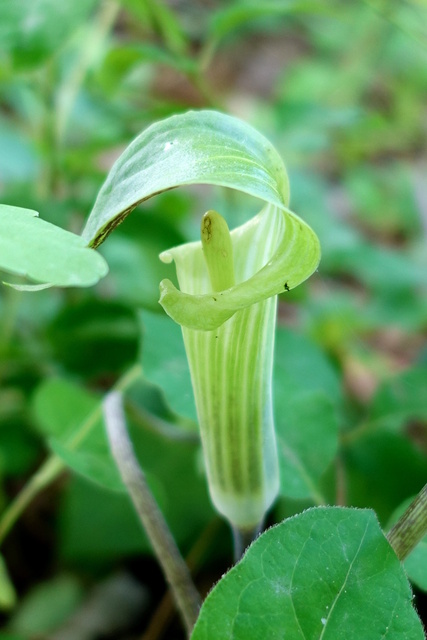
94	337
400	400
328	573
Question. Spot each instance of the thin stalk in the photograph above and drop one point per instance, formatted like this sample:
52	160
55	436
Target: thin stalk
163	615
47	473
411	527
175	570
54	466
242	538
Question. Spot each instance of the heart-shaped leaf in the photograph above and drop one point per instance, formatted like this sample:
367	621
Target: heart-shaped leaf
325	574
44	253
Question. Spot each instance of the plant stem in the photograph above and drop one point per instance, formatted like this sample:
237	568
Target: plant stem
163	615
411	527
165	548
242	538
47	473
54	466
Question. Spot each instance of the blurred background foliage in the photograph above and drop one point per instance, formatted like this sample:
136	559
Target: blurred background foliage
341	89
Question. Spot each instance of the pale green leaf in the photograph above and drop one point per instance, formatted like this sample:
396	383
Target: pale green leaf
46	254
32	30
198	147
47	606
207	147
326	574
71	419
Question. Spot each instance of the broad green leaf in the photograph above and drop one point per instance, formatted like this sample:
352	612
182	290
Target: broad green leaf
307	397
326	574
100	524
401	399
95	337
371	461
307	441
71	419
416	562
47	606
165	364
96	524
300	366
208	147
7	590
46	254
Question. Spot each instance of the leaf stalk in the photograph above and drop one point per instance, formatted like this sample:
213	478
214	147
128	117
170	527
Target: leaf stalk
411	527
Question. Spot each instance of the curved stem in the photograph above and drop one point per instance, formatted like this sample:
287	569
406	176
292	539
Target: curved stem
411	527
165	548
163	615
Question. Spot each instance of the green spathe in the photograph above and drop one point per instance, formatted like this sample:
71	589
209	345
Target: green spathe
231	372
227	310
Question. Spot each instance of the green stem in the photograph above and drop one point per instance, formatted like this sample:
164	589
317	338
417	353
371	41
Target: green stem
165	548
411	527
242	538
54	466
47	473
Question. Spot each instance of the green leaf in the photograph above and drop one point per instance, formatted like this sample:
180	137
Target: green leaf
401	399
198	147
307	441
371	461
47	606
35	249
307	396
326	574
165	363
95	337
71	419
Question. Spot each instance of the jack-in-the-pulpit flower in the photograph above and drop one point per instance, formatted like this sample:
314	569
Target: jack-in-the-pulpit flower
229	282
231	364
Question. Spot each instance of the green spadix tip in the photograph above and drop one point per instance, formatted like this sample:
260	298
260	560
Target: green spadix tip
218	251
